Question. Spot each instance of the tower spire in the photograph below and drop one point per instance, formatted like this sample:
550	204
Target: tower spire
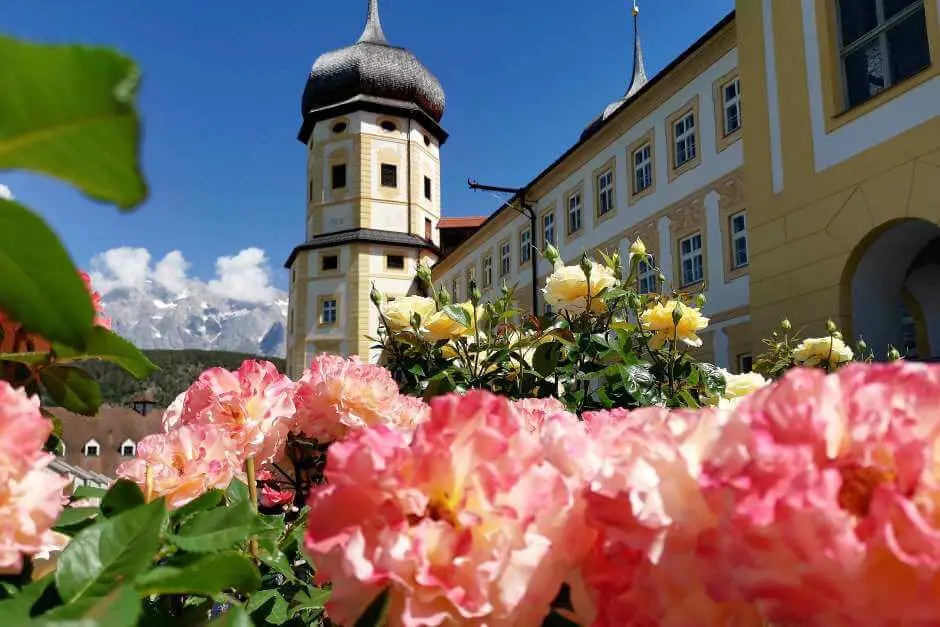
373	32
639	79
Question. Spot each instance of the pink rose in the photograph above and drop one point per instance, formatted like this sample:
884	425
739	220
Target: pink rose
467	523
535	411
271	497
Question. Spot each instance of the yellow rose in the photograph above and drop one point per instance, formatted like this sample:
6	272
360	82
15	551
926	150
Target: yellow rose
659	320
815	350
567	288
398	313
738	385
440	326
638	247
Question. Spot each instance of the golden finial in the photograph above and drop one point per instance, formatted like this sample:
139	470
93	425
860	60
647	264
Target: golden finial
636	8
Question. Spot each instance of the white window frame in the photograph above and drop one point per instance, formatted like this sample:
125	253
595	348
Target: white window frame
647	277
684	138
575	212
879	33
326	311
487	265
737	236
548	229
605	192
642	169
731	106
128	443
505	259
690	256
525	246
92	443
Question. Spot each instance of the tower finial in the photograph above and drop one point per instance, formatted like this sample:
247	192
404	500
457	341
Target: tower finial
373	33
639	79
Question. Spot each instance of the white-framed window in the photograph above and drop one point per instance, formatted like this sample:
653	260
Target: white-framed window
647	274
505	258
731	105
487	271
92	448
605	192
881	43
738	228
642	168
328	311
548	229
128	448
684	137
455	289
574	212
525	246
693	263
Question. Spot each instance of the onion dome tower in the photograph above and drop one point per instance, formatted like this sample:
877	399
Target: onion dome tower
371	124
638	79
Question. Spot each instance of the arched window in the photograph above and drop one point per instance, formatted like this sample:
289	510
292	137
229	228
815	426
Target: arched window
128	448
92	448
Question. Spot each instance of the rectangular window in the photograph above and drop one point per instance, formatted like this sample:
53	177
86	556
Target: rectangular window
731	106
881	43
505	258
339	176
328	311
574	213
427	187
548	229
684	137
605	192
647	276
525	246
428	229
693	264
329	263
389	175
487	271
745	363
471	278
395	262
738	226
642	169
455	289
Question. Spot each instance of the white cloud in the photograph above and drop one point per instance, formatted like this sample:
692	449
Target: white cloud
5	192
245	276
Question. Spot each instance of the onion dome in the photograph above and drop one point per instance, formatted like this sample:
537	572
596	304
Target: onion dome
637	81
372	67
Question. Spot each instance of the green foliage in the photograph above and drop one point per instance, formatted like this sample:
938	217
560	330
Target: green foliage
105	345
72	388
217	529
119	608
124	495
206	575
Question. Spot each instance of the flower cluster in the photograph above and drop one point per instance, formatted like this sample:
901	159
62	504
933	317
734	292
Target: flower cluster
31	496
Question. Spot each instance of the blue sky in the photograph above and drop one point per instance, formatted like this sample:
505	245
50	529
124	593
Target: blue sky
221	103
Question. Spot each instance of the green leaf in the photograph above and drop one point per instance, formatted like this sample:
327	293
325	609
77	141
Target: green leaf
123	495
377	612
209	500
16	611
114	550
237	491
72	388
75	516
712	377
208	576
235	616
121	608
88	492
218	529
72	118
270	606
459	315
546	357
41	288
106	345
311	599
30	359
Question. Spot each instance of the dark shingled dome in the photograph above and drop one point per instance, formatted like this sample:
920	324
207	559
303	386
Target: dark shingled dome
372	67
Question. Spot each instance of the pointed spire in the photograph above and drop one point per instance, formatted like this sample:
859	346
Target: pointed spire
373	33
639	79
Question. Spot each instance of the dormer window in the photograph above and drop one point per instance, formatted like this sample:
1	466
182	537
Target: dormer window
92	448
128	448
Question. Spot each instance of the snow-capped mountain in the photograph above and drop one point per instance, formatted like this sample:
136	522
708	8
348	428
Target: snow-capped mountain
153	317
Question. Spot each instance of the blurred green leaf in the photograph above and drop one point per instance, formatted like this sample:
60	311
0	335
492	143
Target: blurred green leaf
72	118
41	288
207	576
311	599
114	550
217	529
30	359
122	496
75	516
16	611
209	500
120	608
234	616
269	606
459	315
237	491
546	357
105	345
72	388
88	492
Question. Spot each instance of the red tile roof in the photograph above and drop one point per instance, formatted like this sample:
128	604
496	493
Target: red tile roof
461	223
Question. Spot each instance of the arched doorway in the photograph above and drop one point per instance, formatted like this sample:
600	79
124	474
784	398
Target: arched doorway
893	283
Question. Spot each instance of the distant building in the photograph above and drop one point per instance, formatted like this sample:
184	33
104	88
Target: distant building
100	444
